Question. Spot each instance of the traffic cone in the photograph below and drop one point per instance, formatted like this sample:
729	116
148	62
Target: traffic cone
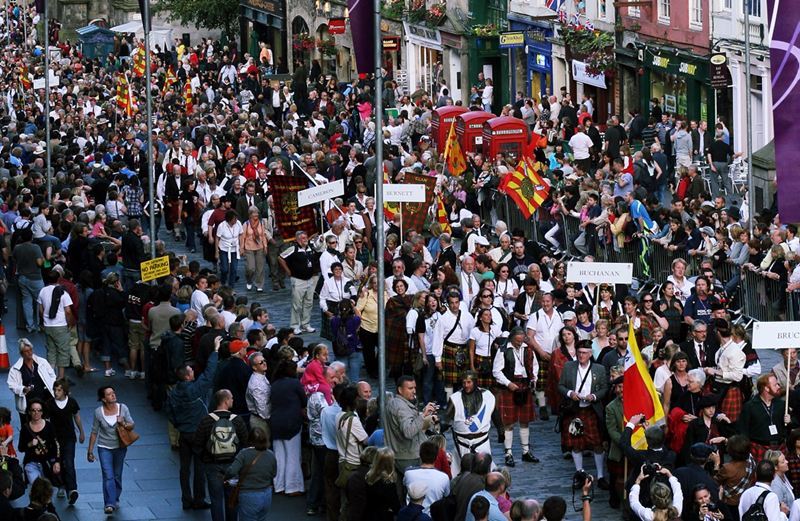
3	349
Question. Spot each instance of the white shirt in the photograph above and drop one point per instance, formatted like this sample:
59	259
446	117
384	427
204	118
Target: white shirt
772	506
545	328
646	514
198	302
583	388
483	340
682	290
470	285
229	317
580	144
412	288
437	482
499	364
228	236
460	334
334	290
45	298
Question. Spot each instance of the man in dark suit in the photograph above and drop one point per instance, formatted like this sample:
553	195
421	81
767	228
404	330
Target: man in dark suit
250	198
698	349
583	387
655	453
701	140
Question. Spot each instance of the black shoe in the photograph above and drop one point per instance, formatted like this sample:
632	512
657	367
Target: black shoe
510	460
603	484
187	506
501	436
567	455
79	370
544	414
73	496
202	505
529	457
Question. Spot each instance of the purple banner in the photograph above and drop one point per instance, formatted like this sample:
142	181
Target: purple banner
362	26
785	69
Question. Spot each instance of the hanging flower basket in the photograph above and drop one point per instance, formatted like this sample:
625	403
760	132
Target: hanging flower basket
326	47
417	11
484	31
437	14
595	47
302	42
393	9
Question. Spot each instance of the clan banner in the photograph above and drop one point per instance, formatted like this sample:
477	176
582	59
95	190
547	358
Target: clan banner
414	213
289	216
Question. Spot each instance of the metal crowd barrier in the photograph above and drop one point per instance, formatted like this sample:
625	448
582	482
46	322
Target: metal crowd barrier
571	229
763	299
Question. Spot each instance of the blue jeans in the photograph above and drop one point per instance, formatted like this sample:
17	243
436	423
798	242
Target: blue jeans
432	386
68	464
215	477
114	344
254	505
30	289
111	463
316	489
33	470
227	268
353	362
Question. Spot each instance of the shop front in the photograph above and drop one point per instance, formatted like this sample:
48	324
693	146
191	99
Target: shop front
679	80
532	63
391	56
425	67
263	21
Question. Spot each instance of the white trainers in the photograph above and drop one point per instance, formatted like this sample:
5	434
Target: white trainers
298	331
110	372
249	287
130	374
308	329
141	375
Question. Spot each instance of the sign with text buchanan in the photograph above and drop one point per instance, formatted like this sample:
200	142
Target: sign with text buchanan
776	335
290	216
155	268
600	272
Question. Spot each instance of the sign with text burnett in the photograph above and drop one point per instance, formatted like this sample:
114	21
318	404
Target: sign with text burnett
776	335
319	193
600	272
403	193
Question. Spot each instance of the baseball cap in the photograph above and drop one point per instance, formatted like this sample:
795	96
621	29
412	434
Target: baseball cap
237	345
569	315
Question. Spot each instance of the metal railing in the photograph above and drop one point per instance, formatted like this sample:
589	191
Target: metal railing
763	299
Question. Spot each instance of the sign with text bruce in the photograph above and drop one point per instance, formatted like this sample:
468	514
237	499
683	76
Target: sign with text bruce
319	193
600	272
776	335
155	268
404	193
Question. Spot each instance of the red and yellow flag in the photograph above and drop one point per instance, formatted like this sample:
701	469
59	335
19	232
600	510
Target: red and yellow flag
639	394
124	95
169	81
139	63
441	216
187	97
24	78
389	209
526	187
453	155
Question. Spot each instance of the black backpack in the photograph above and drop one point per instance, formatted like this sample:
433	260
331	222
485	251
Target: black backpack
341	347
756	510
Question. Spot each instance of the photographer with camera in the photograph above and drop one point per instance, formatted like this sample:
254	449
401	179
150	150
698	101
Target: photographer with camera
656	455
667	498
701	457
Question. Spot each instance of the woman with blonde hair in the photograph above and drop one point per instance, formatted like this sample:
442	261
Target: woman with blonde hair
667	499
382	501
367	309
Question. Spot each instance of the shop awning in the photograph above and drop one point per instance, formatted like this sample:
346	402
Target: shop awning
581	75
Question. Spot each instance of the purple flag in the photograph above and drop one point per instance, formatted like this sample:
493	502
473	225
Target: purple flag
362	25
785	59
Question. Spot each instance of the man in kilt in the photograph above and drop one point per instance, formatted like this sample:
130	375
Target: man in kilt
515	369
725	377
762	418
583	386
450	338
543	327
469	412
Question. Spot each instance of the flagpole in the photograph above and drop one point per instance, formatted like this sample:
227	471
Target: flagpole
47	98
150	156
379	213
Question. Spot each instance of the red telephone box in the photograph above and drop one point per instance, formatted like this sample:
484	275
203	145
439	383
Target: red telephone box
469	128
505	135
441	120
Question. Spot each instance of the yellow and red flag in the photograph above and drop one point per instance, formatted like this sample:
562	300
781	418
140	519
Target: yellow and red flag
124	95
187	97
453	155
441	216
139	63
389	209
526	187
24	78
639	394
169	81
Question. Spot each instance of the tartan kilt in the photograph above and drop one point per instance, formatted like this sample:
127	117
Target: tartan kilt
171	212
451	372
592	436
732	403
757	450
511	413
485	378
542	376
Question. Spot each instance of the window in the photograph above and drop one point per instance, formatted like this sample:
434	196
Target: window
752	7
634	12
663	10
601	9
726	4
696	14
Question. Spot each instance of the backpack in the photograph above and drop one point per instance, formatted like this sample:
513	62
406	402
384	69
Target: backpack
95	305
223	442
341	346
756	510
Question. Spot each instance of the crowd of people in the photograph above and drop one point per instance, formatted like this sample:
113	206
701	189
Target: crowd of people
484	335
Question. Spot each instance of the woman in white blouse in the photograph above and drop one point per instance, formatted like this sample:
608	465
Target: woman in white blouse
227	245
667	499
483	335
506	287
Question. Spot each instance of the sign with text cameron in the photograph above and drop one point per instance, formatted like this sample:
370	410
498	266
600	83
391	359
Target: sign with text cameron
155	268
776	335
404	193
319	193
600	272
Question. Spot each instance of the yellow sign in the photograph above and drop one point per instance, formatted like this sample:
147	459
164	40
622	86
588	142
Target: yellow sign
155	268
512	39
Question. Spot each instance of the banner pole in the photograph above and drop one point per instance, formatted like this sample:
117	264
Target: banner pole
47	99
751	203
151	158
788	387
377	41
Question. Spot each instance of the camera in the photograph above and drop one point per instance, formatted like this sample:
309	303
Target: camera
711	506
579	479
650	469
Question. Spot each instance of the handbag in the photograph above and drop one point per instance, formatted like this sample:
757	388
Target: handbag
233	497
126	437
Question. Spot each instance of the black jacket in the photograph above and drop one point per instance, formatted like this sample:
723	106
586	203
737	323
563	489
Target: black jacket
637	458
132	251
203	434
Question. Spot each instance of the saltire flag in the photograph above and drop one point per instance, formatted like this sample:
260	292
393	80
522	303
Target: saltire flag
389	209
169	80
553	5
289	216
139	63
124	95
526	187
453	155
24	77
414	214
441	216
639	395
362	28
187	97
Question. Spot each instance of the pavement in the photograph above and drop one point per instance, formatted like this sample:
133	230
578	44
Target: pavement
150	480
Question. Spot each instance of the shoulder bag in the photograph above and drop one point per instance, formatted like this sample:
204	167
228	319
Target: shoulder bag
233	497
126	437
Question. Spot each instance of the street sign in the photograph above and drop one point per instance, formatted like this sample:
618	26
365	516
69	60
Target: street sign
512	39
319	193
776	335
402	193
155	268
719	73
600	272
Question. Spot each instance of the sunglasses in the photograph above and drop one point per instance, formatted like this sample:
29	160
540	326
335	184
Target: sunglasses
649	300
36	410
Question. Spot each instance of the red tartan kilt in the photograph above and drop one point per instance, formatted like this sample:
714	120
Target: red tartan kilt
543	375
510	413
485	378
757	450
451	373
172	211
592	436
732	403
